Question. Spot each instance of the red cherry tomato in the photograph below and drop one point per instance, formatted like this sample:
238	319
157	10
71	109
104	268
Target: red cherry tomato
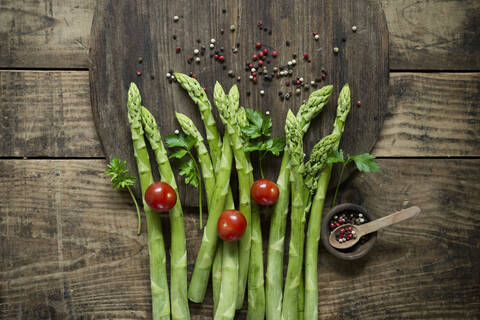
264	192
231	225
160	196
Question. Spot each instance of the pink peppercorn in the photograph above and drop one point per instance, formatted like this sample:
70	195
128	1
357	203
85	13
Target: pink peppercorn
265	51
359	103
260	63
324	76
178	49
315	33
254	74
278	74
298	82
305	56
254	79
260	54
250	66
139	73
205	89
221	58
259	23
258	44
215	56
254	58
274	54
294	55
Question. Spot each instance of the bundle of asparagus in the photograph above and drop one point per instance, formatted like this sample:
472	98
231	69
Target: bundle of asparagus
234	264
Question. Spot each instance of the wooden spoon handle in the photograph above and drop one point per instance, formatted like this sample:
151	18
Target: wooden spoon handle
393	218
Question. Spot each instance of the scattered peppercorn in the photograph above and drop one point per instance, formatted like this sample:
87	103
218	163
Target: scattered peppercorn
232	28
259	23
174	37
265	51
274	54
306	56
354	28
287	43
258	44
176	18
359	103
335	50
221	58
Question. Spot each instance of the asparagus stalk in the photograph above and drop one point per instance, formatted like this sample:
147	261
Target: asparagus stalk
217	275
156	246
233	118
274	275
295	251
178	251
203	264
314	224
226	306
256	282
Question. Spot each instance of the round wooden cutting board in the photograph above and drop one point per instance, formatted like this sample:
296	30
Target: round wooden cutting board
124	31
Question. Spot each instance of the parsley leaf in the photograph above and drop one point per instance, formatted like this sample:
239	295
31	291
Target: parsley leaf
188	170
180	140
336	157
120	178
365	162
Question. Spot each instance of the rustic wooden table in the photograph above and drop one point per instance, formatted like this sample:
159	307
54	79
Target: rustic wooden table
68	243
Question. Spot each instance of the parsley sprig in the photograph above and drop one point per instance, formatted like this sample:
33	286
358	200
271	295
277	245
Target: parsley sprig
121	179
258	132
364	162
181	146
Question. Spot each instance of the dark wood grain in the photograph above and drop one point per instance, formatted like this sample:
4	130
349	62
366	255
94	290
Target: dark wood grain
123	32
424	35
46	114
428	114
70	250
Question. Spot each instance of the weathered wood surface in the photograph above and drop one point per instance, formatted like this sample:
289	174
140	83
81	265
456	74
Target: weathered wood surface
122	32
436	35
428	114
69	247
46	114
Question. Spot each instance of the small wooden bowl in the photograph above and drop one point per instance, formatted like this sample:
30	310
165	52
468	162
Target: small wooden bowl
360	249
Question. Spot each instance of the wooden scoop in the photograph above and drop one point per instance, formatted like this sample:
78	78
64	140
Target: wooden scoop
370	227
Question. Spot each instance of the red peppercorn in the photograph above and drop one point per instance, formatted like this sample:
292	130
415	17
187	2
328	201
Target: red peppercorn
260	54
221	58
193	75
258	44
350	228
254	58
342	230
265	51
260	63
359	103
337	224
324	76
178	49
205	89
294	55
222	31
305	56
254	74
254	79
341	220
274	54
315	33
215	56
139	73
250	66
278	74
298	82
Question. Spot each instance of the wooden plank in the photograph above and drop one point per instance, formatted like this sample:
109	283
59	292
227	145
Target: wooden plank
45	33
436	35
69	247
433	35
428	115
46	114
432	114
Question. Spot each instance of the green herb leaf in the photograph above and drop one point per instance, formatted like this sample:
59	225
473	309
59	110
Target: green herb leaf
276	146
180	140
255	117
336	157
118	171
267	126
178	154
252	131
187	169
365	162
254	146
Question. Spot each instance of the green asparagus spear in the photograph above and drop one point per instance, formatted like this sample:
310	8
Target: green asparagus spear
178	251
314	223
256	282
274	276
156	246
217	275
295	252
226	306
198	95
203	264
230	114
